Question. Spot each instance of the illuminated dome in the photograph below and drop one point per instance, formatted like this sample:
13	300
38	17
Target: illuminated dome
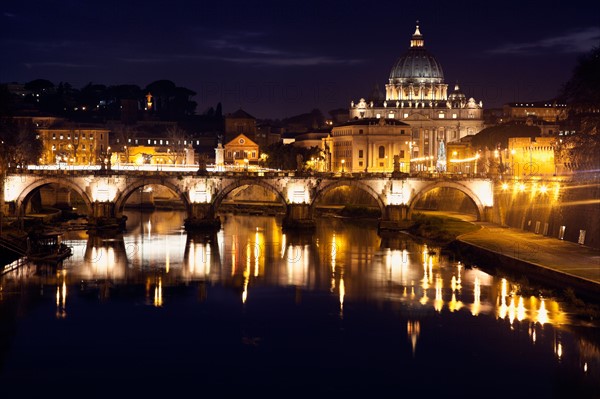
417	65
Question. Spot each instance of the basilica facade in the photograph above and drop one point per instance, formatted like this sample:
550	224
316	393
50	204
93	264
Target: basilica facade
416	95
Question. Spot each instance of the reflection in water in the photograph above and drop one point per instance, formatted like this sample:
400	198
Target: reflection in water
351	263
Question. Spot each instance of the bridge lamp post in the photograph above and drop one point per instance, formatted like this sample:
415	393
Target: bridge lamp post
343	162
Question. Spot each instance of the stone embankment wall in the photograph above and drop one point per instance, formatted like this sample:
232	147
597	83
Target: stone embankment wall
568	210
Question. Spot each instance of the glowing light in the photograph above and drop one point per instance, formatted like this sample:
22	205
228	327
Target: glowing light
521	187
454	304
342	293
158	298
504	186
520	309
438	302
413	329
475	308
504	292
543	189
511	310
542	317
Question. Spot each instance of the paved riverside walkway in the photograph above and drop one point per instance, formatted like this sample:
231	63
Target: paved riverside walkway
555	258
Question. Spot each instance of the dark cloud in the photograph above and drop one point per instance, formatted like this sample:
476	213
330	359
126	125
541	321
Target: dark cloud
573	42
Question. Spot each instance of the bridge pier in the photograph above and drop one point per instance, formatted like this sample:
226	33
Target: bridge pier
202	217
394	218
104	217
298	216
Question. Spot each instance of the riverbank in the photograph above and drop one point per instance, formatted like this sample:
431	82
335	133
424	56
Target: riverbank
559	264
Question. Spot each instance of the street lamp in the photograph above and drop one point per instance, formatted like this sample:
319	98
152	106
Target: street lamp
343	162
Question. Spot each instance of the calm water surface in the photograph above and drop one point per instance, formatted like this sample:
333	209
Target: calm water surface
251	311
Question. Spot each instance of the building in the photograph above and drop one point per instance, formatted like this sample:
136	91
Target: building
369	145
241	151
240	122
74	144
417	95
548	111
527	156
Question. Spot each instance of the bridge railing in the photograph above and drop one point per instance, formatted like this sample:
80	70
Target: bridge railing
190	170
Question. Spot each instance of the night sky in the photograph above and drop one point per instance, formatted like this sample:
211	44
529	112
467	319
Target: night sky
281	58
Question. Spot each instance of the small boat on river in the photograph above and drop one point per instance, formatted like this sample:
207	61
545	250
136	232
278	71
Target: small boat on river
47	247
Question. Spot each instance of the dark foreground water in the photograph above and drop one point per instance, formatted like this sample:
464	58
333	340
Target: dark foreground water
252	312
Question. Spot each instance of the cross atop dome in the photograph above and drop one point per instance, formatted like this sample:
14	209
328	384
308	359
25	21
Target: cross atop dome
417	38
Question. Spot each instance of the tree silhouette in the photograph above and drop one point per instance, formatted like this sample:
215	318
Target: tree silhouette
582	94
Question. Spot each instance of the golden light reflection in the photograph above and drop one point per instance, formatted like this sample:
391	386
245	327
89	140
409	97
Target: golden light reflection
511	310
454	304
413	329
424	298
521	309
542	316
476	307
559	351
61	299
259	241
342	294
503	293
158	297
333	257
438	302
283	245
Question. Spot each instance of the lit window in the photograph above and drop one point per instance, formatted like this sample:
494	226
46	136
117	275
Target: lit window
405	115
454	116
442	115
378	116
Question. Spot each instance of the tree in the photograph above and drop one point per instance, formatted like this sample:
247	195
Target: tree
286	156
176	147
582	94
20	146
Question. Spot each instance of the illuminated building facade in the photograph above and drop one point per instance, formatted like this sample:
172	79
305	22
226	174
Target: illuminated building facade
241	151
369	145
74	145
549	111
417	95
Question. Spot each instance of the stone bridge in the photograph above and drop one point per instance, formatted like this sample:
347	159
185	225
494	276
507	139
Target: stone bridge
105	193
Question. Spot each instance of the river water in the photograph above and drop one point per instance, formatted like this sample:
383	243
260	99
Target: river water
253	311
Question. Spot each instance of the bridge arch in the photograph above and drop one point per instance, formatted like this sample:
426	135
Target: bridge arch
457	186
134	185
224	192
27	193
351	183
